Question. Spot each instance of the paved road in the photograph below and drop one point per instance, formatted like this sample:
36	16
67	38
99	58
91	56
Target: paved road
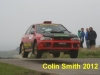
78	64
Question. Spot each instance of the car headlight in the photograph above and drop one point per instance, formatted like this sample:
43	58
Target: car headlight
45	38
75	39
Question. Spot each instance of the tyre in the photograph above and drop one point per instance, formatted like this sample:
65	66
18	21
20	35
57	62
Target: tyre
73	53
56	54
24	54
37	53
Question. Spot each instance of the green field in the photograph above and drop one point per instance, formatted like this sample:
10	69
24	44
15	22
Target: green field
7	69
83	53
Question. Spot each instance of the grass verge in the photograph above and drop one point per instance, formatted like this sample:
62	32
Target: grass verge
7	69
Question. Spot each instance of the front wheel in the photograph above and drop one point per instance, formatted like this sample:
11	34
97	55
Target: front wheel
24	54
37	53
73	53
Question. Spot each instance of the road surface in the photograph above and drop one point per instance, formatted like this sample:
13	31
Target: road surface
84	66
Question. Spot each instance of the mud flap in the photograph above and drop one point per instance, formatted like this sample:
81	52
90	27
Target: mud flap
20	49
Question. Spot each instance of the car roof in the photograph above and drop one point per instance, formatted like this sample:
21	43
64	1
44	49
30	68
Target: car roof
43	23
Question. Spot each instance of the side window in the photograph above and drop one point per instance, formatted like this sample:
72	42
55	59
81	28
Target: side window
32	30
28	30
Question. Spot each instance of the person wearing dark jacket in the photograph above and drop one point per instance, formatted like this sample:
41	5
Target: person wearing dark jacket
92	37
82	37
87	38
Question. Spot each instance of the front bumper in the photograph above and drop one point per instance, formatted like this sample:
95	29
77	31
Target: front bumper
55	46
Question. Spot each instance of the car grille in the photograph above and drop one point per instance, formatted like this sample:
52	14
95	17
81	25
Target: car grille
75	45
65	45
61	38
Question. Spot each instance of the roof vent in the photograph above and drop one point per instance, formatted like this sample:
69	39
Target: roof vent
47	22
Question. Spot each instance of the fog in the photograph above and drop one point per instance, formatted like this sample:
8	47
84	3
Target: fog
17	15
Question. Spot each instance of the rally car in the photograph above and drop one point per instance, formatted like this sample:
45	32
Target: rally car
49	37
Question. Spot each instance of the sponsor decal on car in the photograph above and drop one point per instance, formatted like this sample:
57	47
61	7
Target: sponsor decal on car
60	35
30	37
48	24
27	45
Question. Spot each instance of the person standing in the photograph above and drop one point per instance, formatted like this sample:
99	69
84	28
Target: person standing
87	38
82	37
92	37
79	33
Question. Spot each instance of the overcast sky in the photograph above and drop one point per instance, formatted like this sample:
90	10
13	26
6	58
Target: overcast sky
17	15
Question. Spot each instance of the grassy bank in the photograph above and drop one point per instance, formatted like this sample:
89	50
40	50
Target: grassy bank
83	53
7	69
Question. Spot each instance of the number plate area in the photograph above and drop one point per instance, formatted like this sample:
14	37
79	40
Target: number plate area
65	45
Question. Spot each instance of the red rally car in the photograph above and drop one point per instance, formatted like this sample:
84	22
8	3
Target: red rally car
49	37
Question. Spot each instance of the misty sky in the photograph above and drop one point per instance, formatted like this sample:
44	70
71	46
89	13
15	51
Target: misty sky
17	15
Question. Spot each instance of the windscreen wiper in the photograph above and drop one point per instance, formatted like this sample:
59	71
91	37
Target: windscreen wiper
56	31
45	31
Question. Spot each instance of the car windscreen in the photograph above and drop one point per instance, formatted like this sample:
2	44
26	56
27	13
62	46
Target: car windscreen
50	27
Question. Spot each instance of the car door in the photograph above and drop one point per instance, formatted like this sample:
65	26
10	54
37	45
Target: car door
31	37
25	38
